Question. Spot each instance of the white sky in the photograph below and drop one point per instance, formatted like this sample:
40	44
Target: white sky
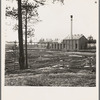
56	20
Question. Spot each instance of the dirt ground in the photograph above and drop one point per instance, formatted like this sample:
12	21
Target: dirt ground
52	68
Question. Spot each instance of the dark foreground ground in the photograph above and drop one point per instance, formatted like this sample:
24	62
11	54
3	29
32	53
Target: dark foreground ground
52	68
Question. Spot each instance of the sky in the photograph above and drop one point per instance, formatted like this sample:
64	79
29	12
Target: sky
56	21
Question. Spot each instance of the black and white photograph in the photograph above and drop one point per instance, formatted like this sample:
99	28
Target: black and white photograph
51	43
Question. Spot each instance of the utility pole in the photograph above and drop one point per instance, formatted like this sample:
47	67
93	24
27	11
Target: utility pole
20	37
72	29
71	26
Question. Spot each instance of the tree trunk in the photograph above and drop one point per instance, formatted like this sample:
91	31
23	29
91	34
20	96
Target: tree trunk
26	62
20	37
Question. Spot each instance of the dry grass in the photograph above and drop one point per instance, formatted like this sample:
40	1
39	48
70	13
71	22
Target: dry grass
84	78
43	71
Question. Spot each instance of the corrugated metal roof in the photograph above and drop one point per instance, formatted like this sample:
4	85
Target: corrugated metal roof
75	36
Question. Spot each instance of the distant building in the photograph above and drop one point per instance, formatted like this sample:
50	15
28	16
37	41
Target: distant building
91	44
77	42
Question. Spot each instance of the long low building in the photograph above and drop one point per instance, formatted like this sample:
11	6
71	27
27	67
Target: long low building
77	42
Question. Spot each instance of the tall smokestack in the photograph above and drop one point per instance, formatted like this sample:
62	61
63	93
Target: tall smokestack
71	26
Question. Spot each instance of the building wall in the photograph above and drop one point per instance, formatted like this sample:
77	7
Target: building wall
68	44
75	44
71	44
82	43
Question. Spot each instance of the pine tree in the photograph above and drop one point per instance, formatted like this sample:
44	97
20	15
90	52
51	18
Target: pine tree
20	37
24	12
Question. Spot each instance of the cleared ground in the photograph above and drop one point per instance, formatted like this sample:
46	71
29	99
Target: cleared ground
52	68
